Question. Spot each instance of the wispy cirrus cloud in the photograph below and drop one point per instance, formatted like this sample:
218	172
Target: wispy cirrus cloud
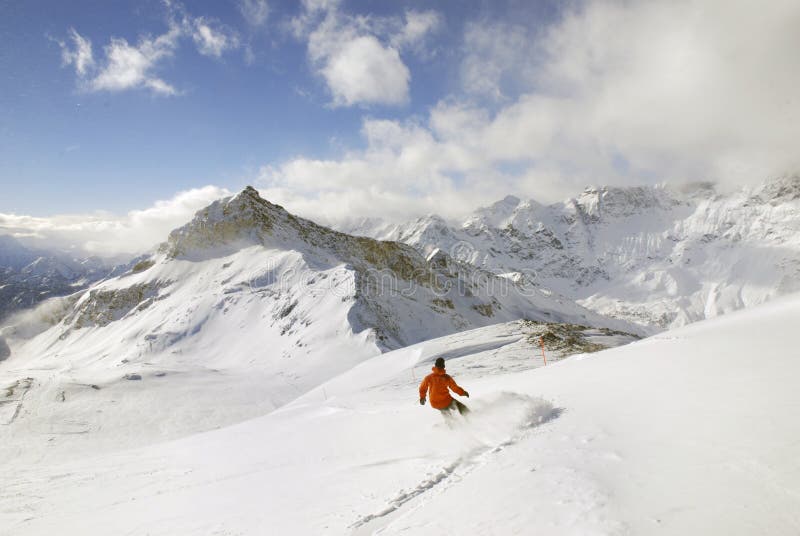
79	55
416	27
499	57
127	66
212	41
255	12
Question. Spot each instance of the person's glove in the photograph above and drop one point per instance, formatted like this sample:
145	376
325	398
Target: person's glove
466	394
422	401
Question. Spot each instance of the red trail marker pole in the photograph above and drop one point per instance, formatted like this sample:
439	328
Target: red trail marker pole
541	341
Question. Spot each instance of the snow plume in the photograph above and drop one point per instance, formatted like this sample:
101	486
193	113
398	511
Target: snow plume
134	66
359	56
31	322
107	234
610	92
501	417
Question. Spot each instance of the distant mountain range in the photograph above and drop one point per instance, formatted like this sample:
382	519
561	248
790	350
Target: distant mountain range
658	256
250	304
661	256
29	276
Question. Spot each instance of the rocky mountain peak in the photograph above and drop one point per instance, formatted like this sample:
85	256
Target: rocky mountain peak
508	201
243	218
616	202
494	215
781	189
502	208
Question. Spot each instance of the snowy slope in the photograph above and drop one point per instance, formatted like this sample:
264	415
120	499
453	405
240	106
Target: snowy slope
661	256
242	310
693	431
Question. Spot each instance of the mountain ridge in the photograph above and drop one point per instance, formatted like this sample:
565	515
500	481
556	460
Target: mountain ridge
640	253
245	308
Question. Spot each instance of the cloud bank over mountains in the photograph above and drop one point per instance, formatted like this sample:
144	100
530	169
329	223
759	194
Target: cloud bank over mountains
611	93
106	234
606	92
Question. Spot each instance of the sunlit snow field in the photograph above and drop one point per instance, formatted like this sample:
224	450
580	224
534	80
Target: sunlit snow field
693	431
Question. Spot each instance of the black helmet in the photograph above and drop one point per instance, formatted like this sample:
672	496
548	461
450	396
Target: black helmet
439	363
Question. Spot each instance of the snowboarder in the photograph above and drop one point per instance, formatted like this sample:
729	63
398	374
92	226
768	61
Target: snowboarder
439	384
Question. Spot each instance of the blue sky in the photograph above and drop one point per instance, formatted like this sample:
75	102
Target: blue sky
119	119
66	148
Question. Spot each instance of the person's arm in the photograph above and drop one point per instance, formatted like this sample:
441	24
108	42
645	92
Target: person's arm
451	383
423	390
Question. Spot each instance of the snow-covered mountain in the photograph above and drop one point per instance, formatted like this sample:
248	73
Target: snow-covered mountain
241	310
693	431
30	276
320	339
656	255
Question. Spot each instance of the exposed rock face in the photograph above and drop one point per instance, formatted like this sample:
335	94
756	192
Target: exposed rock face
101	307
225	223
247	219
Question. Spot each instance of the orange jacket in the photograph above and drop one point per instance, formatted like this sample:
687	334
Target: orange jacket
438	382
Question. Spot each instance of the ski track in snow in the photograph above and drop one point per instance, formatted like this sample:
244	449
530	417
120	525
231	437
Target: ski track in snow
538	413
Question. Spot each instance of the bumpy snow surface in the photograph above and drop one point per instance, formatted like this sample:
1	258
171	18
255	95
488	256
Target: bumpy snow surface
693	431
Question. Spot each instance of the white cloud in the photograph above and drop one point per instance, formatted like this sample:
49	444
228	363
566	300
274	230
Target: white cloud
364	71
496	55
418	25
81	56
689	89
128	66
359	56
160	87
255	12
610	93
106	234
210	41
404	170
